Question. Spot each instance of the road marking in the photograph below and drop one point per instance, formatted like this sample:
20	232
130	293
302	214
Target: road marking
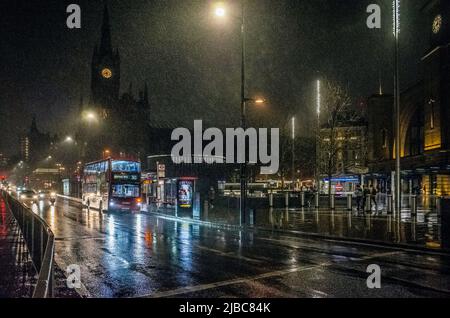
378	255
229	254
191	289
184	290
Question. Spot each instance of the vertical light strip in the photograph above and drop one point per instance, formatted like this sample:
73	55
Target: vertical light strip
293	128
396	17
318	97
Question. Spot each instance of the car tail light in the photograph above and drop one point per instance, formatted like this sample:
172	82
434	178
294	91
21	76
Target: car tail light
138	200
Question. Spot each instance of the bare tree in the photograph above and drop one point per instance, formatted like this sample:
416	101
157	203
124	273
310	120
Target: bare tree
336	120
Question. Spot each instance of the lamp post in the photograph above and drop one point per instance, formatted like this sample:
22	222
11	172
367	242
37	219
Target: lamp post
221	12
318	109
396	31
293	153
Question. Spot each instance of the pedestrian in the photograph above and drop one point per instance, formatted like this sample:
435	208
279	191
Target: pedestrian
366	193
359	197
373	197
212	197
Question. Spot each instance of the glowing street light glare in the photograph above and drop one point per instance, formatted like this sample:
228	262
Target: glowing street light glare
69	139
260	101
90	116
220	12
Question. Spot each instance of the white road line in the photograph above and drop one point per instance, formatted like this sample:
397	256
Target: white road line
229	254
185	290
244	280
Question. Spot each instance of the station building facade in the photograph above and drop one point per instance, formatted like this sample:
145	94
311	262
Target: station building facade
425	117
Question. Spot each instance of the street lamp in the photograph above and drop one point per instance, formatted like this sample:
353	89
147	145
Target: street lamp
90	116
106	153
221	12
318	109
396	32
69	139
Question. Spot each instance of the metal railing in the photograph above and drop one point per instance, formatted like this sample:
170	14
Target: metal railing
40	242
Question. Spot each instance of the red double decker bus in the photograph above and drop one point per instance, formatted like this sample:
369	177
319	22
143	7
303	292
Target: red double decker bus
112	185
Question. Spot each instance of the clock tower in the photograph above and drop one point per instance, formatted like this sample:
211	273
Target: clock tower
105	71
436	66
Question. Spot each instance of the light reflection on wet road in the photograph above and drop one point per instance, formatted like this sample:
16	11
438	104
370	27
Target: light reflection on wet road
140	255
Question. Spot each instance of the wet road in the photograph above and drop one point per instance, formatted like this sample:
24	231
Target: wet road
140	255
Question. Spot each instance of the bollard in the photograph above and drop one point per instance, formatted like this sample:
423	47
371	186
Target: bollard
414	205
252	217
270	200
349	202
302	199
368	207
317	200
332	202
286	200
390	204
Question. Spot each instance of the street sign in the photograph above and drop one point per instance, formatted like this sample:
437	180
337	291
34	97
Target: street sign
161	170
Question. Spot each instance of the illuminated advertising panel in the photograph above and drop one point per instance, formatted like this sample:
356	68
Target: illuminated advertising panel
185	193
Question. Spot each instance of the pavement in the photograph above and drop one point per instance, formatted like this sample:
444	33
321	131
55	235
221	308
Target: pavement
421	231
143	255
18	276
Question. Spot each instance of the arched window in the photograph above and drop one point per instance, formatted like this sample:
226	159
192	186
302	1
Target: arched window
415	137
432	111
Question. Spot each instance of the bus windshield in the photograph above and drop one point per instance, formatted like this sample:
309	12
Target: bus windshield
125	190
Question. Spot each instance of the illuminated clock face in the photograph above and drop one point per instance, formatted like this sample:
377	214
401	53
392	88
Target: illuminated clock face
106	73
437	24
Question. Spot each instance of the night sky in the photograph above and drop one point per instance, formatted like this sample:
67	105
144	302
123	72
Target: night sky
191	61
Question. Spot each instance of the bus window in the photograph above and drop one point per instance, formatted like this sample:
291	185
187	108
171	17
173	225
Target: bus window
125	191
126	166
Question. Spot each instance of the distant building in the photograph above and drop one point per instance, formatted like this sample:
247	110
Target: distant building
343	153
4	161
425	118
118	123
35	145
25	148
